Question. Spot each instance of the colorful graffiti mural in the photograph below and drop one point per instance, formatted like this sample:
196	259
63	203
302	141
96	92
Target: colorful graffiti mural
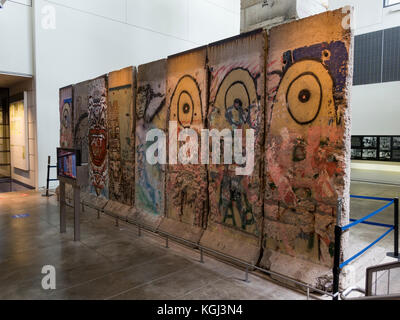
121	136
289	88
186	97
80	114
151	113
306	140
237	102
98	137
66	118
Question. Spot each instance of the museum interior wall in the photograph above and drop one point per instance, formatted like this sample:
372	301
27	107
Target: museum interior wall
371	18
92	37
26	173
290	86
16	38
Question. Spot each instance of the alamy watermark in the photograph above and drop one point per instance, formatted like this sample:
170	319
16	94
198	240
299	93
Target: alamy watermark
49	280
48	21
184	147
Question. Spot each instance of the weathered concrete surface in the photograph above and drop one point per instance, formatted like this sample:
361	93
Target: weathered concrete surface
108	262
117	209
307	143
261	14
93	201
151	113
286	209
98	137
237	101
66	118
121	135
81	126
186	207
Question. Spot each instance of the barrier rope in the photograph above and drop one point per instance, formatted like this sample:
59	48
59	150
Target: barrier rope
366	248
371	198
363	221
377	224
367	217
337	266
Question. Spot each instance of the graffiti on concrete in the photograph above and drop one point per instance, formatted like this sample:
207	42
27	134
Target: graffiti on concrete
98	137
151	113
236	102
120	116
305	151
187	199
66	118
81	126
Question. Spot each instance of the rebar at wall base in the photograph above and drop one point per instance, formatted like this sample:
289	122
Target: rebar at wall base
193	245
247	275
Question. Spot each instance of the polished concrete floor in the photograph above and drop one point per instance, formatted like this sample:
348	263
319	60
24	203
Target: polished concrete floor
115	263
376	176
7	186
109	262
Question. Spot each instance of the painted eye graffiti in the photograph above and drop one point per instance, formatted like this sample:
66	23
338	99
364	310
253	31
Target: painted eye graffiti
304	95
237	94
185	109
304	98
306	92
66	116
186	106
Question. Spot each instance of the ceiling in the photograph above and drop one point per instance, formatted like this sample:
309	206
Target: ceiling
7	80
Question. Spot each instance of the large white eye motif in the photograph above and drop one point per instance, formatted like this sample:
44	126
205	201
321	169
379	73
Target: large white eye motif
186	105
306	92
304	98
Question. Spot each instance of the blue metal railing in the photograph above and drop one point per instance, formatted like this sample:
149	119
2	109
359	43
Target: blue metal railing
339	231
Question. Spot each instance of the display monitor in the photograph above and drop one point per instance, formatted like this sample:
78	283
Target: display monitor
67	162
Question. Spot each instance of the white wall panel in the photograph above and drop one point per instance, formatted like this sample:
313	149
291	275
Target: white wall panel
209	23
169	17
86	45
16	39
113	9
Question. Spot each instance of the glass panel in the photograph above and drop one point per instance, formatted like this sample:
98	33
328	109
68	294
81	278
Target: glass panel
392	2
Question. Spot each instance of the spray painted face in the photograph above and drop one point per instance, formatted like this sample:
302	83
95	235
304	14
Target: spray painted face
98	140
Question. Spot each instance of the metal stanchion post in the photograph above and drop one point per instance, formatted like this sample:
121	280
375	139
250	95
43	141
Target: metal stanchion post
336	263
48	176
396	227
247	274
201	255
338	240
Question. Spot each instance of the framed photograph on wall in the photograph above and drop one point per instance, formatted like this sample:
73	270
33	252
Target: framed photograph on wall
375	148
369	154
396	143
385	143
370	142
19	132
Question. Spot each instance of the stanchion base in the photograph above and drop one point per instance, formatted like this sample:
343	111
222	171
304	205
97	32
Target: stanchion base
49	195
392	255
